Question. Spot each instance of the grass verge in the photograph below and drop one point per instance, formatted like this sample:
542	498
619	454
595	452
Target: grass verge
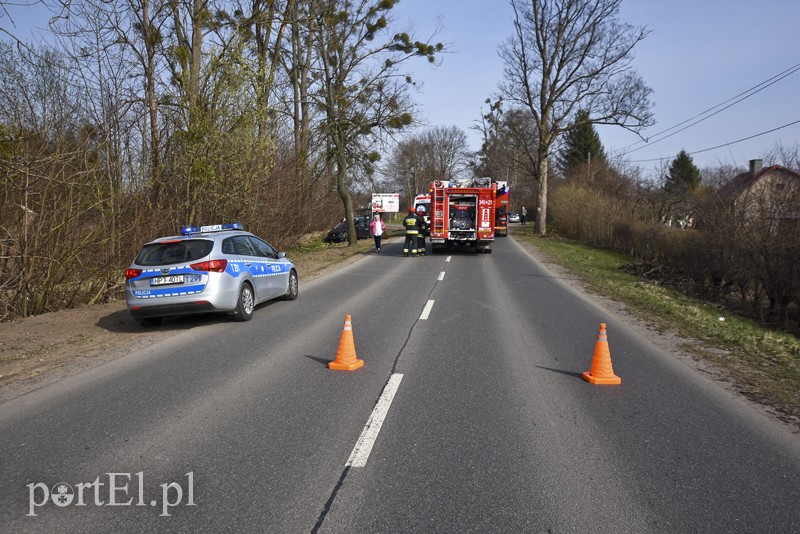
762	364
313	256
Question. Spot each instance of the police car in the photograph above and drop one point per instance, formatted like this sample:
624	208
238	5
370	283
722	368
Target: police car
218	268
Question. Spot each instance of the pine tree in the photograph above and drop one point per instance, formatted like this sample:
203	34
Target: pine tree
683	175
581	144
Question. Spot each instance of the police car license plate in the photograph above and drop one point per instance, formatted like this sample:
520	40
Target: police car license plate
166	280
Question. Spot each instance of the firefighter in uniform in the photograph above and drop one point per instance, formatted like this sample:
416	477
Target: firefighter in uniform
422	231
412	223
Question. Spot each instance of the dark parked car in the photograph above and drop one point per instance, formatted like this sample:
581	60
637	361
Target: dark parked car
339	232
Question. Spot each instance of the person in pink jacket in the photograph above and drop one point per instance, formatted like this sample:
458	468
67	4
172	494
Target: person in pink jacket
377	228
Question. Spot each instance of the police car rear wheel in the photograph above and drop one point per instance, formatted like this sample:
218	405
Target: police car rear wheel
294	287
247	304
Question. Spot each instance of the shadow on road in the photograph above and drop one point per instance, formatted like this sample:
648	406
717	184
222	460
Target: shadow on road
323	361
121	322
562	372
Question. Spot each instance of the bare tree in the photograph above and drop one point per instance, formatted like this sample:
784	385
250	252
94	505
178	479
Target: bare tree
785	156
147	18
297	63
59	200
439	153
190	21
567	55
361	92
449	152
263	25
401	167
716	177
509	148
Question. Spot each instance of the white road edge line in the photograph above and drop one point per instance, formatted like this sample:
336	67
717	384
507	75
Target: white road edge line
360	454
426	311
441	276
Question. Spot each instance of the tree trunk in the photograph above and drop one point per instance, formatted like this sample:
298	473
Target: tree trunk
301	58
267	60
541	197
341	187
150	99
194	72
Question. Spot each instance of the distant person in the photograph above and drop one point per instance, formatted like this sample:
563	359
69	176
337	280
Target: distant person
377	228
522	215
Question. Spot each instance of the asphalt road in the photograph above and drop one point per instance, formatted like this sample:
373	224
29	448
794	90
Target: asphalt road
241	427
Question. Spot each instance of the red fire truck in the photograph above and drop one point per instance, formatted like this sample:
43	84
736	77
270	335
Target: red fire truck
501	207
462	213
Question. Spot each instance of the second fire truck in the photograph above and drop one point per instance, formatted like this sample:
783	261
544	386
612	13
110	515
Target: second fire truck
501	205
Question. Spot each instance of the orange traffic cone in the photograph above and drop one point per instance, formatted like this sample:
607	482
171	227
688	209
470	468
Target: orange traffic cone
602	372
346	355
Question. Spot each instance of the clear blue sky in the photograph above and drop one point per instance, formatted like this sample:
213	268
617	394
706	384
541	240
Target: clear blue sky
699	54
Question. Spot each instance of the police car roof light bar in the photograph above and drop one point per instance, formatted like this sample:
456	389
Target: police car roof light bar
186	230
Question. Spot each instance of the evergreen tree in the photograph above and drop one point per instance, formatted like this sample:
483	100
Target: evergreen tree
581	144
683	175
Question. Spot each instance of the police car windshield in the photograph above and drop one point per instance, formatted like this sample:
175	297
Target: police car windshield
174	252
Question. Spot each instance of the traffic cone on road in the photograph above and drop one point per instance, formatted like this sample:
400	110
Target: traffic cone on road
346	355
602	372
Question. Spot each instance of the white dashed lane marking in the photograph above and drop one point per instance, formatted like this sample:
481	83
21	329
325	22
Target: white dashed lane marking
360	454
426	311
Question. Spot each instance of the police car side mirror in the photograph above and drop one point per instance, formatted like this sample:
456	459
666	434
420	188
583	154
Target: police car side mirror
281	255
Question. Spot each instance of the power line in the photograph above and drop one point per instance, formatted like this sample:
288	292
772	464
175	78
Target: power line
723	145
733	101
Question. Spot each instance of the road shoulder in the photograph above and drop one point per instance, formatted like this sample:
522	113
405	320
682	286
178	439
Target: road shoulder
42	349
682	348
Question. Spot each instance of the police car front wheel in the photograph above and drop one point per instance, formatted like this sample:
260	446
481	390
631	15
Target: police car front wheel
247	304
293	289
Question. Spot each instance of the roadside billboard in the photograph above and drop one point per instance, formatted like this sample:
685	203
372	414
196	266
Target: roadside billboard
385	202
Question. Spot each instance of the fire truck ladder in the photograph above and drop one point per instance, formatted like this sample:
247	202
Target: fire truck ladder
439	210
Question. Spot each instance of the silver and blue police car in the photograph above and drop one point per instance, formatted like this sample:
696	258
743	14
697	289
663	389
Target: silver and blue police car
218	268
